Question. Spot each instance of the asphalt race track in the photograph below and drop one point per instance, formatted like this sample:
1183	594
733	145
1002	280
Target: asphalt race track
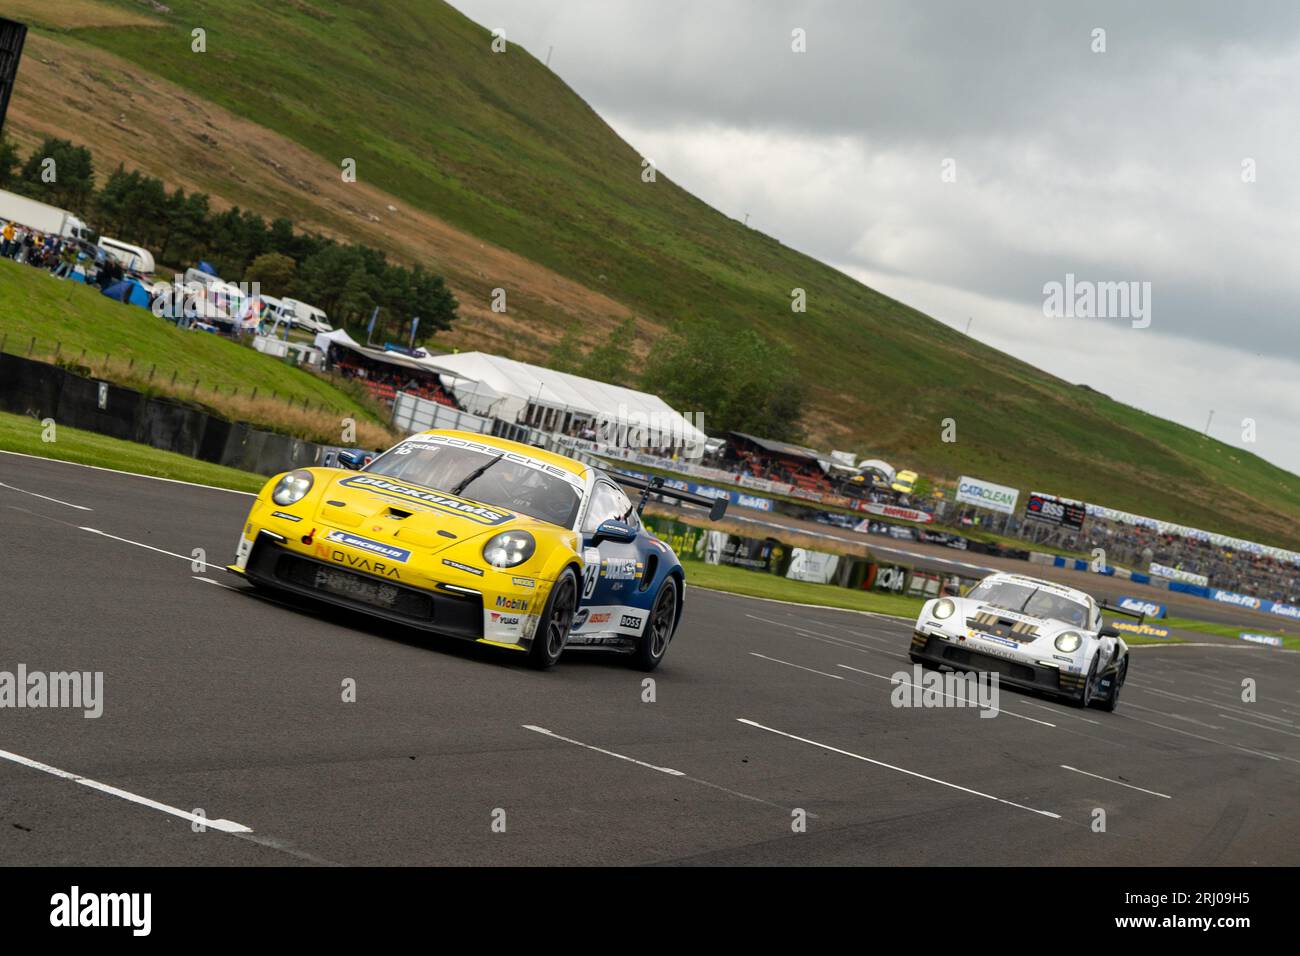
229	707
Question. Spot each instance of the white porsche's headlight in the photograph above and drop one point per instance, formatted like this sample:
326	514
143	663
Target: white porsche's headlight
509	548
944	610
1068	641
292	487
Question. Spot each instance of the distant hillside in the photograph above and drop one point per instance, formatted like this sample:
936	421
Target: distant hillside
491	170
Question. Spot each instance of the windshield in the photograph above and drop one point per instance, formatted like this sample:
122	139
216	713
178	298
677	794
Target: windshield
502	481
1030	600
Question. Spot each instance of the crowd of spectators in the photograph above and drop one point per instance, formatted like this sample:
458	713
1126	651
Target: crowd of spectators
56	254
384	381
1231	569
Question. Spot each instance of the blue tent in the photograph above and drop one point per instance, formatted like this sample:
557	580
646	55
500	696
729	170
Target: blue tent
129	291
207	267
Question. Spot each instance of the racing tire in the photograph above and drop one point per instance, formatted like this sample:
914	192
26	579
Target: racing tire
1111	702
556	622
916	659
659	627
1084	697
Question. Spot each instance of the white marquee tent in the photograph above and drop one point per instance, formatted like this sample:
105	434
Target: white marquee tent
530	394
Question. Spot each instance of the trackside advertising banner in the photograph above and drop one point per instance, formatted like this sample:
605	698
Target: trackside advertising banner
894	511
1149	608
738	498
986	494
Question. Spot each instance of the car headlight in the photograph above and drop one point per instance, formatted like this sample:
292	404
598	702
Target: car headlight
509	548
1068	641
292	487
943	610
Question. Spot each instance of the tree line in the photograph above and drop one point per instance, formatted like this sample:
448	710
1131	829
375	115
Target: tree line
739	380
347	280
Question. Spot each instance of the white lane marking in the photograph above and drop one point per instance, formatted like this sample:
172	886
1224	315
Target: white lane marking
224	826
1276	730
1164	713
996	710
1119	782
1217	704
904	770
134	474
57	501
217	583
667	770
138	544
1208	740
600	750
799	666
1062	713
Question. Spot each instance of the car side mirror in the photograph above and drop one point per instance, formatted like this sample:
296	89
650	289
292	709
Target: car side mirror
1108	632
614	531
351	460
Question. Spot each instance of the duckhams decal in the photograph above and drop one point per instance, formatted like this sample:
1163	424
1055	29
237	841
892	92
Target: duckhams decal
442	502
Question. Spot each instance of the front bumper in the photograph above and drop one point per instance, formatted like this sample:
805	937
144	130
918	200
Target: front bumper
446	612
936	650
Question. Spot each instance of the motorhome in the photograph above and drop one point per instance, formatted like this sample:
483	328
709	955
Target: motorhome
133	258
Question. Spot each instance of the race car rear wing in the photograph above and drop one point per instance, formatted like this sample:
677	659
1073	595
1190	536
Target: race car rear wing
655	485
1107	608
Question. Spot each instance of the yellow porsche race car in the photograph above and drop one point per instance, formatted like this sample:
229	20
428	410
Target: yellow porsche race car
480	538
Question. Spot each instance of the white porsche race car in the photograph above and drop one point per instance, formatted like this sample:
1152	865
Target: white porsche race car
1033	634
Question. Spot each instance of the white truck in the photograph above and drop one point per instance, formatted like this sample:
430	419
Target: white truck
42	217
306	316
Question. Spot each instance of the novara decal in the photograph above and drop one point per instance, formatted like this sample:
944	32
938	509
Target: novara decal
336	556
457	506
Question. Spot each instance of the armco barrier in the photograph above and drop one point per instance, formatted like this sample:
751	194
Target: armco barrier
43	391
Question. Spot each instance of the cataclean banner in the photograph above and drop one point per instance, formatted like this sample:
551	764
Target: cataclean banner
987	494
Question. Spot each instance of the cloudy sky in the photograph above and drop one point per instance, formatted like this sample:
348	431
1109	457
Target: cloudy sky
1169	157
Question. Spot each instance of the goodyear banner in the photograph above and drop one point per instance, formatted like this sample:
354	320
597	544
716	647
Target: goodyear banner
1140	630
987	494
1149	608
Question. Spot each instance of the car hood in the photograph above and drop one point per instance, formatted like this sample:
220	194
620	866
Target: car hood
410	515
973	610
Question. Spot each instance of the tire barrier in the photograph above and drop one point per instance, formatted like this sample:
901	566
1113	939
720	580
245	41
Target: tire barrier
42	390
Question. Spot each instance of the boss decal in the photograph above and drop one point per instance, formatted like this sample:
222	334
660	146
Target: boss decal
399	555
630	620
438	500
